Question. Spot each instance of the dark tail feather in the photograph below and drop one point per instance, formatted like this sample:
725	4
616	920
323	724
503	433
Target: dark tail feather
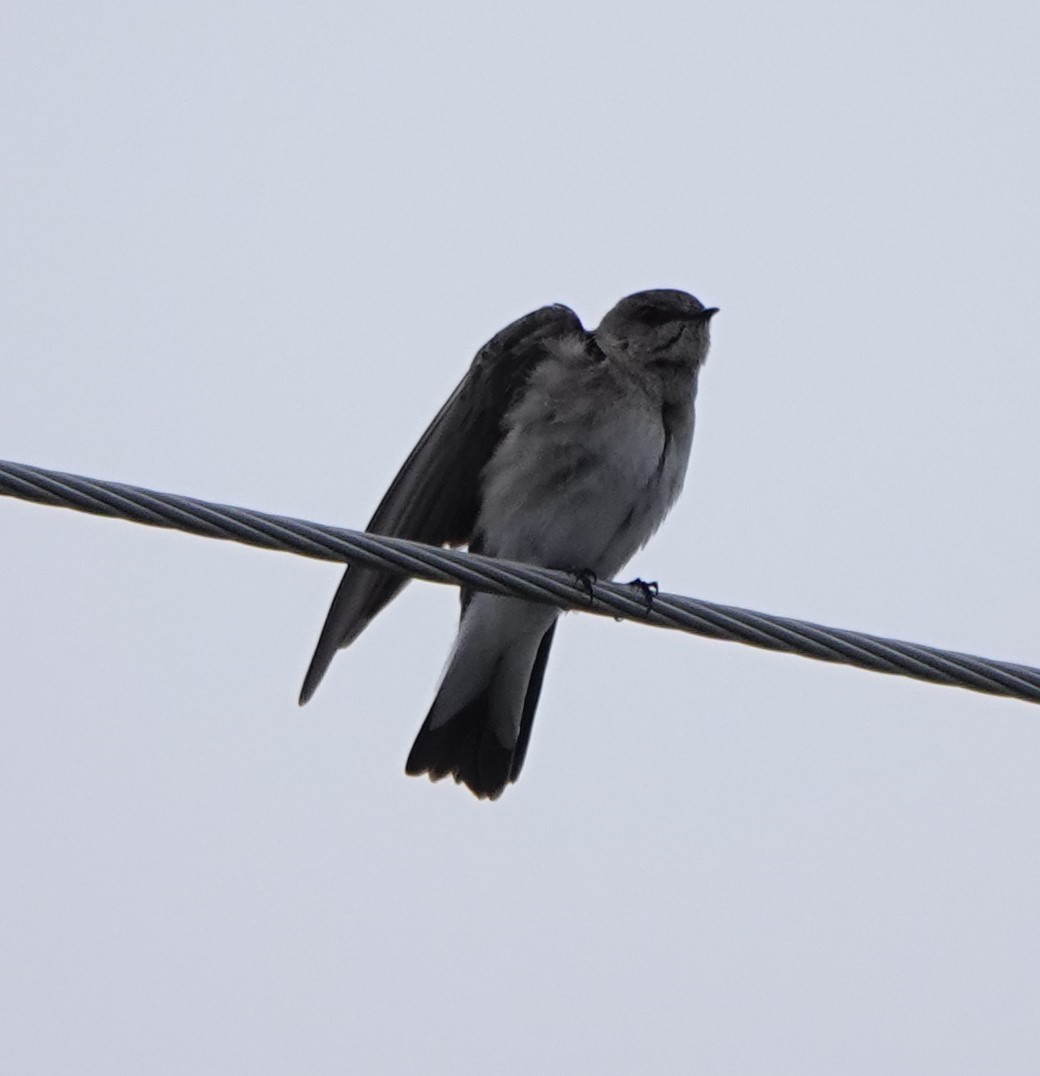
534	689
466	747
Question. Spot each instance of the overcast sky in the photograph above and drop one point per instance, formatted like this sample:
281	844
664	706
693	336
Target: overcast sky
246	251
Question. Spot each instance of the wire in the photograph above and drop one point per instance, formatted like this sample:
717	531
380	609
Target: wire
564	590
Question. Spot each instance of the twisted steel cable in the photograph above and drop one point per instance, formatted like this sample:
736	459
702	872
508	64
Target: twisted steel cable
561	589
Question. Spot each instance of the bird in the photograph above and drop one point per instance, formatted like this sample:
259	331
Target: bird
561	447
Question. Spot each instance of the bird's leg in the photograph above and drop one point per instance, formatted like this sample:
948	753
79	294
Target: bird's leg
648	590
584	578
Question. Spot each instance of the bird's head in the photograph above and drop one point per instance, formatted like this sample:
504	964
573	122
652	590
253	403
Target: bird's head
664	328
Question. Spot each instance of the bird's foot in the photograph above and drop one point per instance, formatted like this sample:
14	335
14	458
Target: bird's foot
648	590
584	578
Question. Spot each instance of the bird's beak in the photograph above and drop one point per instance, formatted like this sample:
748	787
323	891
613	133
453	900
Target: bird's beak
709	313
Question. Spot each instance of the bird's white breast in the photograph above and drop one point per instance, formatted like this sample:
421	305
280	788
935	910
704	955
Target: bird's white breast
589	465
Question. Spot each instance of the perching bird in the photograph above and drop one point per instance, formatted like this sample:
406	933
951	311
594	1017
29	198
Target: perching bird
560	447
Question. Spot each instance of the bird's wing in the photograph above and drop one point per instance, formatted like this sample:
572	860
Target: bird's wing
435	496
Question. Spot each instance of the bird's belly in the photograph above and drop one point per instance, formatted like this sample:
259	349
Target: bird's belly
583	498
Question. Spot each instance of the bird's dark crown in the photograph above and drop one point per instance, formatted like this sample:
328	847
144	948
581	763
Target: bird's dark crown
662	305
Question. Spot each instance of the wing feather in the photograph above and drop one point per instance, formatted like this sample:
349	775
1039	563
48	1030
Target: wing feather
435	497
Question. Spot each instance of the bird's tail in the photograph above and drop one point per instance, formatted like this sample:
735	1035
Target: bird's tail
479	726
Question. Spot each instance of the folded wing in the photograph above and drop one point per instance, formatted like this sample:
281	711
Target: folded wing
435	496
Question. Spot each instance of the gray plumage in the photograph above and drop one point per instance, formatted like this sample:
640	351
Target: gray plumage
560	447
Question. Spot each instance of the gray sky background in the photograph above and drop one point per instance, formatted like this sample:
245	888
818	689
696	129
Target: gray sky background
245	253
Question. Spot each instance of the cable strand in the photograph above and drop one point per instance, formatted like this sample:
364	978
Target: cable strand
624	602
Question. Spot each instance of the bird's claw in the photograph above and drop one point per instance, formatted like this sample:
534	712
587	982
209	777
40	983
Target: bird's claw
648	590
584	578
